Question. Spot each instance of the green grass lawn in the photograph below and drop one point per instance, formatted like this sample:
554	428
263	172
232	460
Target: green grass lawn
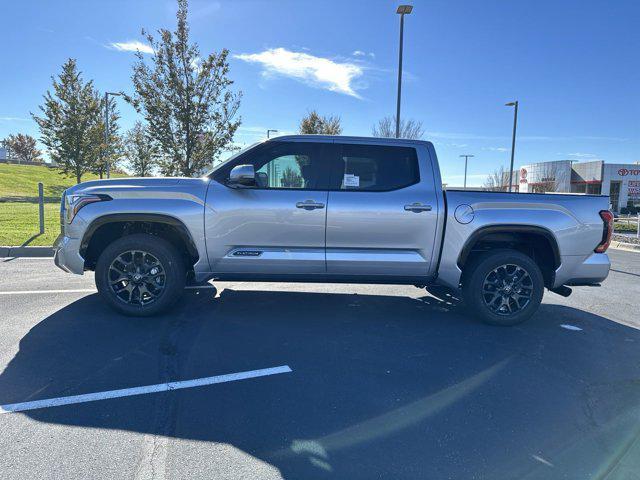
19	223
19	207
631	226
20	182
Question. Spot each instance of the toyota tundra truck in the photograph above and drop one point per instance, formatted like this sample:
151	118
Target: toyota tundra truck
308	208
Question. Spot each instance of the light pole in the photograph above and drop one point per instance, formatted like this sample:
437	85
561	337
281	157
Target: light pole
402	11
466	159
513	138
271	130
106	130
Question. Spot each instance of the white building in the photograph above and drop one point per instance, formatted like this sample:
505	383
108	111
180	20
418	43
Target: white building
620	181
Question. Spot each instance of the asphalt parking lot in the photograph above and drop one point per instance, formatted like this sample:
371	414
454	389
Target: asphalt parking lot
384	382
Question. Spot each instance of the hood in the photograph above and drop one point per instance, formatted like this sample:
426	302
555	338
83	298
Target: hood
99	186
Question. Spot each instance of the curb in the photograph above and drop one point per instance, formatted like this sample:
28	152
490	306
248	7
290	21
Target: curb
629	247
26	252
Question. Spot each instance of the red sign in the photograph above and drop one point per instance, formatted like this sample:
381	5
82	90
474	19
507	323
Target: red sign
523	175
623	172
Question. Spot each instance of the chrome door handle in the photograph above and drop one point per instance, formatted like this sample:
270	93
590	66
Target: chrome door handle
309	205
417	207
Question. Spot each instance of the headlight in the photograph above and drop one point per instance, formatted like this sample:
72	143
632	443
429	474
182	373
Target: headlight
74	202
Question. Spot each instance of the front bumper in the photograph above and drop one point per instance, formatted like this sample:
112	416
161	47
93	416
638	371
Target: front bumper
66	254
576	270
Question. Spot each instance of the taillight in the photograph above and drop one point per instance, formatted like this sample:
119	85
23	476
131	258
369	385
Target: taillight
607	219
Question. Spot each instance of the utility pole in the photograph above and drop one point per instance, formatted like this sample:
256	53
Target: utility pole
466	159
513	138
402	11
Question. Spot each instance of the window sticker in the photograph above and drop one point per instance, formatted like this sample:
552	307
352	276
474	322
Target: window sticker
351	180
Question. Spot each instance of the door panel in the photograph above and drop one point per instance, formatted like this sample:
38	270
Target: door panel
279	225
263	231
375	225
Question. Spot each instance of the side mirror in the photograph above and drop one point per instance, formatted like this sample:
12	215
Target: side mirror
242	175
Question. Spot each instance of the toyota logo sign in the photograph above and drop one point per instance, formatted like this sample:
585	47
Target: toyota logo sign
623	172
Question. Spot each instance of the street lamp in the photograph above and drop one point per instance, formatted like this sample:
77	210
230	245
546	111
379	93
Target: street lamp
106	129
271	130
466	159
402	11
513	138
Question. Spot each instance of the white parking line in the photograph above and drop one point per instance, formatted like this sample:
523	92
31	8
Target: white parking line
128	392
566	326
85	290
29	292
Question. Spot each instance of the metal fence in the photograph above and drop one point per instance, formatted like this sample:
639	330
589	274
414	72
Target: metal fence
629	224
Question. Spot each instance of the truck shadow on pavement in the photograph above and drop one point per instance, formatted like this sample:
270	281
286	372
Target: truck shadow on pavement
382	386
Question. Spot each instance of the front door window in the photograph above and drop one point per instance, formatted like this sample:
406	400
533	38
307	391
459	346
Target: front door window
291	166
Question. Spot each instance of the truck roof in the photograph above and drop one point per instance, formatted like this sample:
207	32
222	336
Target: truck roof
346	138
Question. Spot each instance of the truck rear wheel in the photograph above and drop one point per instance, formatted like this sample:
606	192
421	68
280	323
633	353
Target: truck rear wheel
503	287
140	275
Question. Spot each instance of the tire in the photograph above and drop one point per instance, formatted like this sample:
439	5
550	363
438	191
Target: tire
494	294
140	275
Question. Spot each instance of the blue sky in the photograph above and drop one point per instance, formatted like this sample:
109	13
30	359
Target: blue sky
573	65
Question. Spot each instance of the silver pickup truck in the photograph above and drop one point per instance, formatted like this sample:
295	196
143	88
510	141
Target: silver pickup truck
331	209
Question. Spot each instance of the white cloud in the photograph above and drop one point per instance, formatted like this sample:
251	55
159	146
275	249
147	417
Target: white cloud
259	132
131	46
581	155
479	176
473	180
252	129
530	138
497	149
196	13
458	136
360	53
196	64
315	71
14	119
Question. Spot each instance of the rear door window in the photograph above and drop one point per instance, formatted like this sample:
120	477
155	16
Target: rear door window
374	168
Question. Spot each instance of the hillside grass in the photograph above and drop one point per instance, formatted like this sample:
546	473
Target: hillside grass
20	182
19	222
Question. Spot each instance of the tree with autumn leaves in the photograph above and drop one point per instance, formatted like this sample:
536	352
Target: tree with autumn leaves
23	148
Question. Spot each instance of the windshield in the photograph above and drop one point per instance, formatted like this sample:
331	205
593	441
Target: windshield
231	158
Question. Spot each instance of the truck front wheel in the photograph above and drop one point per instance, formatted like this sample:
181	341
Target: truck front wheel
140	275
503	287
